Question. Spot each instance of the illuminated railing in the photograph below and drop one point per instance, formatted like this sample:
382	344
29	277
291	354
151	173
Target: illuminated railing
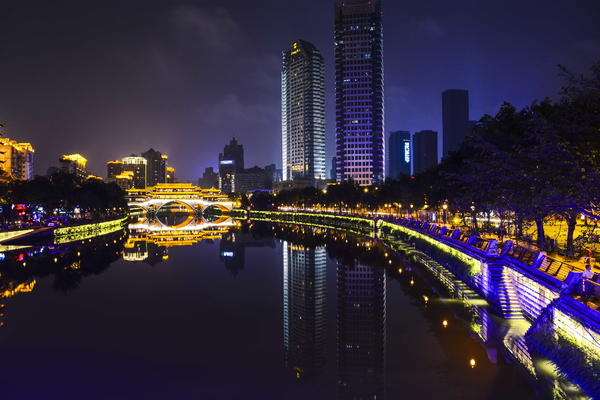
12	234
81	232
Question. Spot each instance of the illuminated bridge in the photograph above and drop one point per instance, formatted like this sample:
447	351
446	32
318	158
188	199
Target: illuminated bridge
174	206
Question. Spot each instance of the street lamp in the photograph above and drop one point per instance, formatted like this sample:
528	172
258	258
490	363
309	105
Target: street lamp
411	209
445	207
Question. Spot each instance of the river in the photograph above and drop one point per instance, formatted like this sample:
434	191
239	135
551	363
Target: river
252	312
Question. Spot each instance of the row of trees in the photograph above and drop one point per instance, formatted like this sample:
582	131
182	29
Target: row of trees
63	192
525	165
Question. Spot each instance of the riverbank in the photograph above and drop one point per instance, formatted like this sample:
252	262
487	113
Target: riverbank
59	234
521	283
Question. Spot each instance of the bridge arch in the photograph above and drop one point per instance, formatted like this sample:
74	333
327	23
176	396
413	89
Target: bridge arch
178	202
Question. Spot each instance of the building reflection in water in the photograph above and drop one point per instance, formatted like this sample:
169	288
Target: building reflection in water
232	248
361	324
304	308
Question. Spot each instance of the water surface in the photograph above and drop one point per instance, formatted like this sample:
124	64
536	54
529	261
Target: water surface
241	317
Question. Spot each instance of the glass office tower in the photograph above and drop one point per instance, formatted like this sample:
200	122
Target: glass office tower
359	95
303	112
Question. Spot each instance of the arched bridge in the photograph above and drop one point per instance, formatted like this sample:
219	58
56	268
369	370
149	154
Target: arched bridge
193	198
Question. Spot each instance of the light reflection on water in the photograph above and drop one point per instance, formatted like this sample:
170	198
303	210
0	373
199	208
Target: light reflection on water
352	325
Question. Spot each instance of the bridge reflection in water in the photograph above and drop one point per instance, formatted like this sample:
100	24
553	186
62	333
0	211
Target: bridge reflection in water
173	214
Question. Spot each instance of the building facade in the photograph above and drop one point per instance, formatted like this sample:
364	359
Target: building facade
455	119
359	92
425	146
272	174
303	112
73	164
137	165
156	164
249	180
399	154
16	159
125	180
113	168
231	161
210	179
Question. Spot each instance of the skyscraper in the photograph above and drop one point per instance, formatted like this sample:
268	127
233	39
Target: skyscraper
399	154
455	118
231	161
359	99
303	112
157	167
425	150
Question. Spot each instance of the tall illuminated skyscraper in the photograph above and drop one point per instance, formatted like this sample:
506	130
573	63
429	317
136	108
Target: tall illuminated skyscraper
359	99
303	112
304	308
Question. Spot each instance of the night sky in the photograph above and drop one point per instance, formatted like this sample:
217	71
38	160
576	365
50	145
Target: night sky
107	79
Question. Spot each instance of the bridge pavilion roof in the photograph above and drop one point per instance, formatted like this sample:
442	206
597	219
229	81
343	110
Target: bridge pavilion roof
177	191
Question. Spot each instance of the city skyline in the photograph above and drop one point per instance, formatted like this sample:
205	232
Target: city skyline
103	81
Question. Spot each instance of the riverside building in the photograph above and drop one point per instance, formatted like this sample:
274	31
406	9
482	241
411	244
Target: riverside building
73	164
303	113
139	167
16	160
359	94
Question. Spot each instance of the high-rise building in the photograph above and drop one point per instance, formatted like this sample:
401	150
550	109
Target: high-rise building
333	166
303	112
361	326
359	95
73	164
399	154
137	165
425	150
455	118
16	159
304	308
272	174
231	161
114	168
210	179
249	180
156	167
